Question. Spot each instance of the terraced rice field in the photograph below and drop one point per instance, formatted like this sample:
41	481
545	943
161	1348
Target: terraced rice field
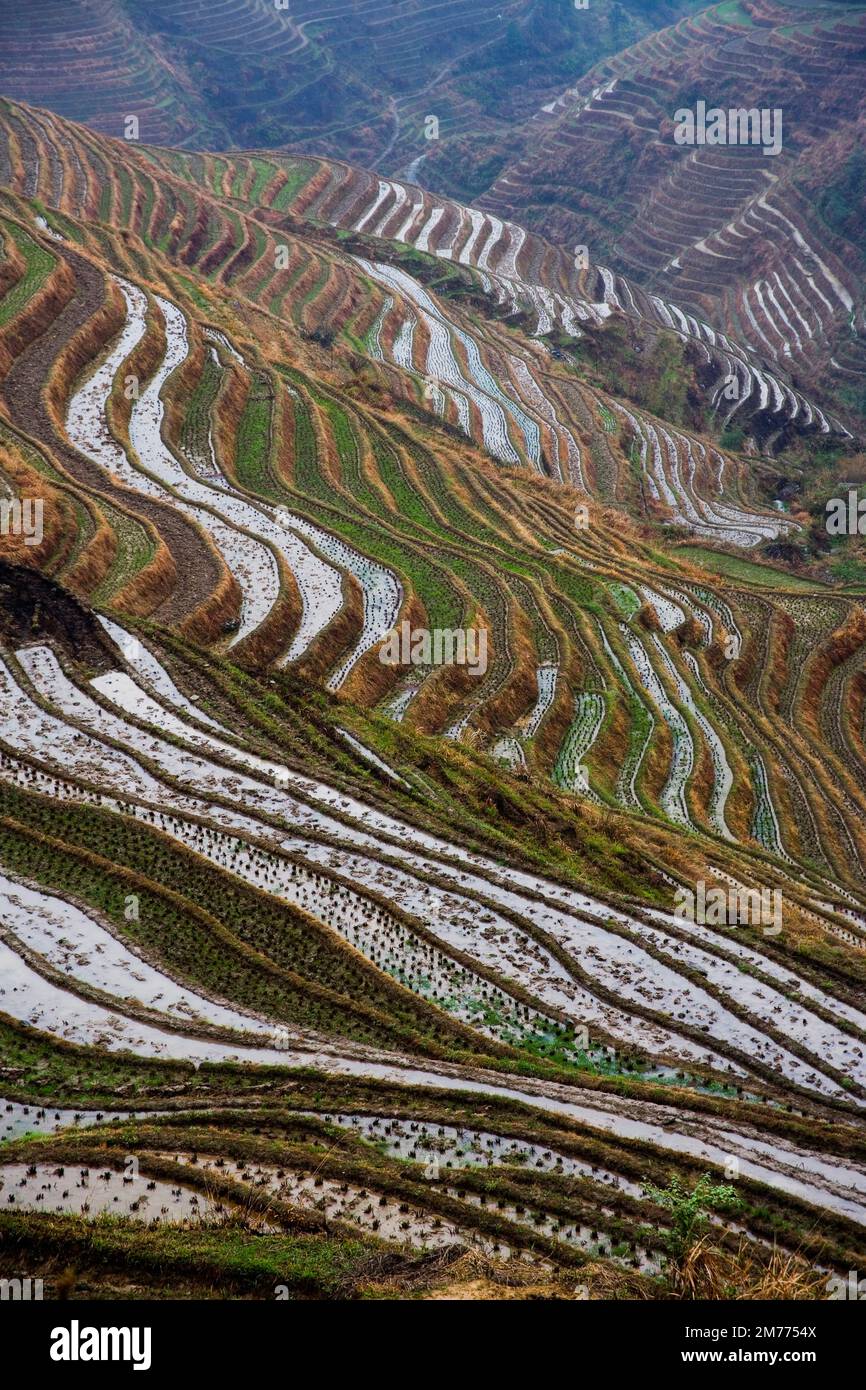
722	250
382	955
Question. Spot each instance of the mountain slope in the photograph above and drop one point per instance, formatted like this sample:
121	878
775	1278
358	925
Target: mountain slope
250	870
352	78
765	248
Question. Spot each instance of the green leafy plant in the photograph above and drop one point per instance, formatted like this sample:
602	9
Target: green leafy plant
689	1209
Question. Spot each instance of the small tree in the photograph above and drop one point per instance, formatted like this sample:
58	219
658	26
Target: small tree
689	1209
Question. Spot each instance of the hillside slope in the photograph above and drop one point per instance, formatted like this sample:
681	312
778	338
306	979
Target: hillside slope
770	250
353	78
304	929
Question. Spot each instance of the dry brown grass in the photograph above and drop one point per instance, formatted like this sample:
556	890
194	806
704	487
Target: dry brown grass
37	315
474	1277
557	721
783	631
206	623
309	193
519	691
855	711
701	783
153	586
656	765
13	266
748	1274
840	645
273	635
97	555
337	639
80	351
58	522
